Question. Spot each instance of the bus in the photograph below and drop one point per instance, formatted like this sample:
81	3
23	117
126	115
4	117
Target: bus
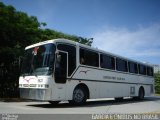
63	70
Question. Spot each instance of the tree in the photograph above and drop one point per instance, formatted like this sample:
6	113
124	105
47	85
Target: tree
18	30
157	82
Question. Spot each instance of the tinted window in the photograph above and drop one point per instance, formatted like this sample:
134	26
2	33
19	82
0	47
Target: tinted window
71	56
132	67
61	68
150	71
88	57
107	62
121	65
142	69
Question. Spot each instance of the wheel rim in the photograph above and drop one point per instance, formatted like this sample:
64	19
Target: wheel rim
78	95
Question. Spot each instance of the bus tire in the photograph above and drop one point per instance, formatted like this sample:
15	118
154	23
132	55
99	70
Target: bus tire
53	102
79	96
141	93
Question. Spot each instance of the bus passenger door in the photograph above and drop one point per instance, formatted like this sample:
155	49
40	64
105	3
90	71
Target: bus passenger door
61	70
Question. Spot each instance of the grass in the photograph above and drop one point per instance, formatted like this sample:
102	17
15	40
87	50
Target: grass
157	94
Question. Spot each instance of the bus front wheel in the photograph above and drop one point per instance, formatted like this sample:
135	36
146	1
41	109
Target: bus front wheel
119	99
79	96
53	102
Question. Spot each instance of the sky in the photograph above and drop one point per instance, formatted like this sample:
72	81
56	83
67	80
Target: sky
129	28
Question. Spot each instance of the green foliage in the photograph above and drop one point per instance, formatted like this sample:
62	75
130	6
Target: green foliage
157	82
18	30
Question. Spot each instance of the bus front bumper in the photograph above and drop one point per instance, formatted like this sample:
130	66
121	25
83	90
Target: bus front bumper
35	94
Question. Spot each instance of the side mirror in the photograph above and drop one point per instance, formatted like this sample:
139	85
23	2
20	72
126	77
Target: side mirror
58	57
58	62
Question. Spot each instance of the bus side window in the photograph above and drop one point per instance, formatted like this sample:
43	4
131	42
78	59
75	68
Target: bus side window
121	65
149	71
142	69
88	57
107	61
132	67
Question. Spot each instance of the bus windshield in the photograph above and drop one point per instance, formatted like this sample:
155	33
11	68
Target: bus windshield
39	60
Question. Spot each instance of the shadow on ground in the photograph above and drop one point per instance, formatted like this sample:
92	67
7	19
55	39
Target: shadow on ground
14	100
94	103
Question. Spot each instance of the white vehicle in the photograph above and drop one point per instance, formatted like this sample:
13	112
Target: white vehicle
58	70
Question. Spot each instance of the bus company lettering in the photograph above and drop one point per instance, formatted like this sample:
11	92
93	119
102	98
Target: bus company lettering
113	78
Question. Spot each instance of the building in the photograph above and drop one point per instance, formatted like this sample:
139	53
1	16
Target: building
156	68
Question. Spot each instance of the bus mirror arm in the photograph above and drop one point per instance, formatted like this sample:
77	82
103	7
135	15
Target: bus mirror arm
58	56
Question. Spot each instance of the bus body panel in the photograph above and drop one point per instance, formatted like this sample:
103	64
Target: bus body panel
112	83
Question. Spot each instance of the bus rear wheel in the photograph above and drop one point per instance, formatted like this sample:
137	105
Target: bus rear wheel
79	96
141	94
